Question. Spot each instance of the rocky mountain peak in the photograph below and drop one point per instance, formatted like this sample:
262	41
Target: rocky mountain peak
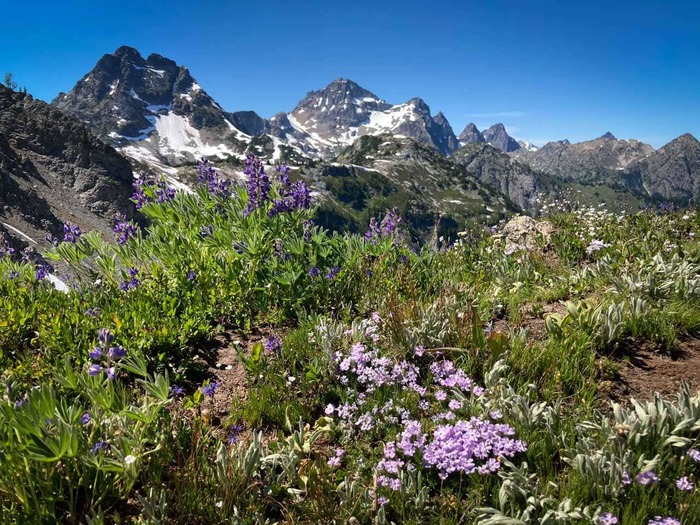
608	135
471	134
497	136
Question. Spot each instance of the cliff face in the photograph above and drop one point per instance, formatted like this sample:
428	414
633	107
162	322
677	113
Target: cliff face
53	170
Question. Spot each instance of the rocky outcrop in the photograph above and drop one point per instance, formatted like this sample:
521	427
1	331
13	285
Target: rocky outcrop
524	233
53	170
471	134
671	173
497	136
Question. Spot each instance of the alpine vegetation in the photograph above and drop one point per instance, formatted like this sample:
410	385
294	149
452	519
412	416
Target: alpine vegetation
221	358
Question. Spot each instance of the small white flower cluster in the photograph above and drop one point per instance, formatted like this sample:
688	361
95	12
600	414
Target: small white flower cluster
596	245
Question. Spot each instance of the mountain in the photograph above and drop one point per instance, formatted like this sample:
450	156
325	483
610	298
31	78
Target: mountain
520	183
471	134
435	196
54	170
600	160
332	118
496	135
152	110
529	146
672	172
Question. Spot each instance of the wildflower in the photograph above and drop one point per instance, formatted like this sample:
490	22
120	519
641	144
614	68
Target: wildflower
100	445
117	352
210	389
308	224
685	484
596	245
128	460
329	409
105	336
175	391
313	272
94	370
694	454
12	275
191	276
273	344
647	478
332	273
626	478
419	351
219	504
92	312
95	353
123	228
381	501
42	272
606	518
496	414
206	231
658	520
258	184
71	232
110	373
85	419
233	433
337	458
52	239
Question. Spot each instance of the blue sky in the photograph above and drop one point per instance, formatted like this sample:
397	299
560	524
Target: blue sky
547	70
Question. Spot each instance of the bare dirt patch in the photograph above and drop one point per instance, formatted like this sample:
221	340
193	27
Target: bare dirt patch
644	370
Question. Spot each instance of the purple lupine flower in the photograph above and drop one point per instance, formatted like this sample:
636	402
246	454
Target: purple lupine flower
104	336
206	231
314	272
94	370
28	254
92	312
273	344
258	184
95	353
191	276
117	352
606	518
5	249
42	272
12	275
234	432
647	478
626	480
175	391
685	484
110	373
52	239
123	228
71	232
283	174
332	273
308	224
668	520
100	446
85	419
209	177
210	389
139	196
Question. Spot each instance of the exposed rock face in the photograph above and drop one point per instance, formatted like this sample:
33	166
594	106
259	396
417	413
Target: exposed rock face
598	160
672	172
249	122
496	136
152	109
53	170
471	134
524	233
520	183
334	117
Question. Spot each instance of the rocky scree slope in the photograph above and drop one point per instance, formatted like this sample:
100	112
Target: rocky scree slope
54	170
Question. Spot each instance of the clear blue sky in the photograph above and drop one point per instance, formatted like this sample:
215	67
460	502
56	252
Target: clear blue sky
547	70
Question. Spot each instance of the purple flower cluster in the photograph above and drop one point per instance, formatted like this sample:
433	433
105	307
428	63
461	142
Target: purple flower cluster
471	446
71	232
41	272
52	239
647	478
273	344
234	431
384	229
141	197
308	224
105	354
209	177
668	520
258	184
12	275
206	231
175	391
123	228
606	518
332	273
210	389
337	458
5	249
92	312
133	281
